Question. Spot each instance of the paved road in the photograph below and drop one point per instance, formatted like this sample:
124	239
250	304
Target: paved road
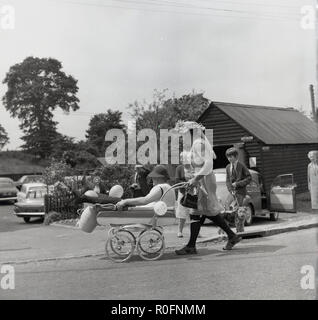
260	268
9	222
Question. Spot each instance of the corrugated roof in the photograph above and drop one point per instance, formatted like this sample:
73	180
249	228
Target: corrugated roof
272	125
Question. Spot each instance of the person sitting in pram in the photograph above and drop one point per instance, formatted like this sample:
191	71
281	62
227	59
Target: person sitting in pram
160	178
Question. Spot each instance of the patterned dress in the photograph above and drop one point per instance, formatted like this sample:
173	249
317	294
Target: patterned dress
202	160
313	184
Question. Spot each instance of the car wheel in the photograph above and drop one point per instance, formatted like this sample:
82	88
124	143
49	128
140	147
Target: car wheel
249	215
274	216
26	219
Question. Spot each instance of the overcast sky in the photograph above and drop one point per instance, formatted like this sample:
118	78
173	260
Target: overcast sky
245	51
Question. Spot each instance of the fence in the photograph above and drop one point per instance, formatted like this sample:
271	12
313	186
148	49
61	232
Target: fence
62	202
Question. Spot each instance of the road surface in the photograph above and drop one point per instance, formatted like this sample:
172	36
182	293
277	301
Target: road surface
259	268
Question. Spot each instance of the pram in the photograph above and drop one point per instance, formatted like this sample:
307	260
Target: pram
147	240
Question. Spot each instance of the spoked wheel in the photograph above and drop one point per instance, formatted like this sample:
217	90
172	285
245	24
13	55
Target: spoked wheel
120	245
151	244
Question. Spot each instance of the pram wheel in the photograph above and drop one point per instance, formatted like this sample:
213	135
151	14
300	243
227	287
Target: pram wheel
120	245
150	244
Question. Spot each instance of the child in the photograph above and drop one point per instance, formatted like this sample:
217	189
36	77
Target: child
183	174
237	178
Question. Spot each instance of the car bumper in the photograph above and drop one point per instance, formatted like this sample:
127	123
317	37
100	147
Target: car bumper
29	214
29	211
8	198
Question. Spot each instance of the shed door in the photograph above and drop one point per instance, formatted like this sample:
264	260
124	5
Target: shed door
282	194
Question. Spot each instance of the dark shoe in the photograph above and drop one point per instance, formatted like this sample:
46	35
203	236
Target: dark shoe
232	242
186	250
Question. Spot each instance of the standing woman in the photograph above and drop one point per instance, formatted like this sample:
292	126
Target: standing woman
183	173
204	179
313	178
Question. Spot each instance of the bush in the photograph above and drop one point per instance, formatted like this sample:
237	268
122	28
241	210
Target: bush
54	216
117	174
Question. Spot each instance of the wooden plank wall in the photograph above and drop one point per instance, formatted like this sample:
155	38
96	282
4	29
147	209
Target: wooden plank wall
283	159
228	132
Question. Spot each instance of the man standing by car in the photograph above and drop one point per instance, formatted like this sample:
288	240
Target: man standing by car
237	175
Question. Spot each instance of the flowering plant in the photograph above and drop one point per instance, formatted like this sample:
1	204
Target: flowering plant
184	126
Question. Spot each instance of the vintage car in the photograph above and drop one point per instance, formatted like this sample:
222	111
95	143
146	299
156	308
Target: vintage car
280	197
30	201
8	190
32	178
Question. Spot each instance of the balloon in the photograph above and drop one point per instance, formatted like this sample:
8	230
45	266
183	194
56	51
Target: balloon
116	191
160	208
91	193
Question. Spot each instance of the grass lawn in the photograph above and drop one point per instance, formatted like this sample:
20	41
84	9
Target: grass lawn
19	162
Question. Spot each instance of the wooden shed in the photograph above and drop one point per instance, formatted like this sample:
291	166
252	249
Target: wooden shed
270	140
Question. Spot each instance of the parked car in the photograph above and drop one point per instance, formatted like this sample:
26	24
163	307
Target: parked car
8	190
280	198
32	178
30	201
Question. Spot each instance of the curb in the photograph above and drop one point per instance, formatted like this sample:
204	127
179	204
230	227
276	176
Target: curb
263	233
214	239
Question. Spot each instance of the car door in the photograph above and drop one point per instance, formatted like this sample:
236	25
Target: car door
282	194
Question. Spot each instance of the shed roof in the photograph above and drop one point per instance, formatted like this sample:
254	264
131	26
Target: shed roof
272	125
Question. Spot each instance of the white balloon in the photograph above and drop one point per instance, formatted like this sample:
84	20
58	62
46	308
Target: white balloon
91	193
116	191
160	208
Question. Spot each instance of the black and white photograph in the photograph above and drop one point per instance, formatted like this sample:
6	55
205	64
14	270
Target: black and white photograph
157	155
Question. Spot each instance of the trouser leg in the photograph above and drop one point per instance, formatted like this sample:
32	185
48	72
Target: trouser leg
102	198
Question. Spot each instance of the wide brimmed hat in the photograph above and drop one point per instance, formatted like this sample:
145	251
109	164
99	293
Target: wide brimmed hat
159	171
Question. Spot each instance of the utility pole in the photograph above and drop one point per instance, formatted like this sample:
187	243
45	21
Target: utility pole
313	105
311	87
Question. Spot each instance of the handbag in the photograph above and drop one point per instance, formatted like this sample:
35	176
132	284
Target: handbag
189	200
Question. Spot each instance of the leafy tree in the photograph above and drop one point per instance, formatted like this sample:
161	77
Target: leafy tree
164	113
99	125
4	139
187	107
36	87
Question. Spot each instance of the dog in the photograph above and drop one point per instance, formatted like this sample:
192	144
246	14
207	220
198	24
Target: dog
234	218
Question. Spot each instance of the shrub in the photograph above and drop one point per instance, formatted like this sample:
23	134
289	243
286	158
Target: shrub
54	216
117	174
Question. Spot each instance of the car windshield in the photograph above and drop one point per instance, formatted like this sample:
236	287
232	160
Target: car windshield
36	193
6	184
220	177
33	179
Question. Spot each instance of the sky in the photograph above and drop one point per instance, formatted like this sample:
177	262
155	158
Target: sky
244	51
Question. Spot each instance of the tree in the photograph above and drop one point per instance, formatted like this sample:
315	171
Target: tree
36	87
187	107
99	125
4	139
164	113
